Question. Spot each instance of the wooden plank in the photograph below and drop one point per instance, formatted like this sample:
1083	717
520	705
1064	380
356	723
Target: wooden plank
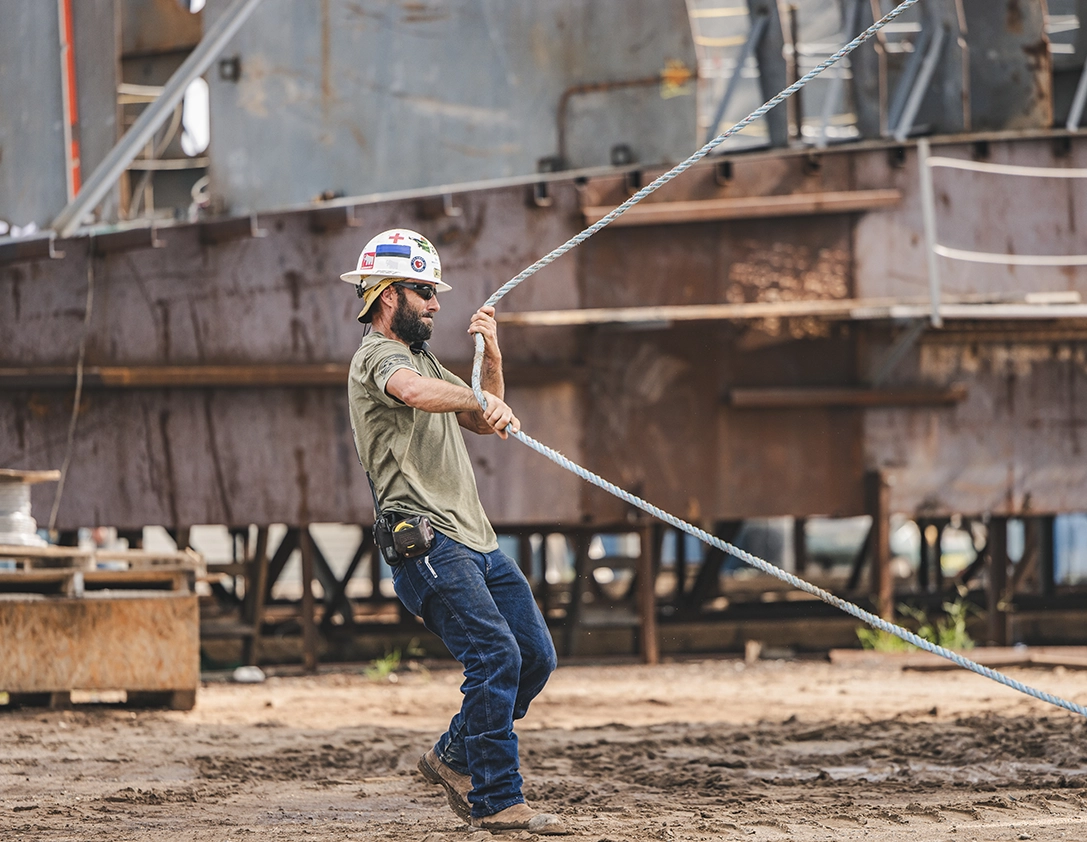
996	656
176	578
63	581
852	397
132	643
12	475
48	552
689	312
965	308
748	207
1069	661
135	558
1071	657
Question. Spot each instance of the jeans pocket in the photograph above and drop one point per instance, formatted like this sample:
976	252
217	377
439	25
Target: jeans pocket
406	586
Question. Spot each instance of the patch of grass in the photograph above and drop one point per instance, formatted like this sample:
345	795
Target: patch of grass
948	631
877	640
381	668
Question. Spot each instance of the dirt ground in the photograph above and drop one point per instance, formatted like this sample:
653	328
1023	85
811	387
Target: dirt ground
693	750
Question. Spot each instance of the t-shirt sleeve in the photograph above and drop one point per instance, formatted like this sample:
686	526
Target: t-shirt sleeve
377	365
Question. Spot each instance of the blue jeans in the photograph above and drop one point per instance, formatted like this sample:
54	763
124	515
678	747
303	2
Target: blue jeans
481	606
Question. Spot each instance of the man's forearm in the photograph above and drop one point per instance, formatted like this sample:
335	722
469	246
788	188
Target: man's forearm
432	395
491	377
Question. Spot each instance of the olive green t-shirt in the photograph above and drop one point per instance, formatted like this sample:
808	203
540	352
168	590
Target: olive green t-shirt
417	459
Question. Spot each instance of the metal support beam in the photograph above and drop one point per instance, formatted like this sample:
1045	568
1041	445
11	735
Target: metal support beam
308	620
335	590
925	551
582	572
938	557
800	545
1075	114
27	249
899	348
338	596
648	564
928	219
758	29
837	82
256	585
859	559
128	239
917	95
103	178
998	580
770	54
908	78
1046	559
226	230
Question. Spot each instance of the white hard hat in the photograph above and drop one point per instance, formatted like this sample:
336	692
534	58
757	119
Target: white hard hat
397	253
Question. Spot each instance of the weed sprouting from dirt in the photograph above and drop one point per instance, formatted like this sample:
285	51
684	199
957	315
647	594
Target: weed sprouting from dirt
948	631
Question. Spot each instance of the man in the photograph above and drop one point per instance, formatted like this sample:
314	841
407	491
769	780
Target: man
405	409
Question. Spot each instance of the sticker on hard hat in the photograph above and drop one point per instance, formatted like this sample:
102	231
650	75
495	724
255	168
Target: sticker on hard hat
418	264
367	261
393	251
424	245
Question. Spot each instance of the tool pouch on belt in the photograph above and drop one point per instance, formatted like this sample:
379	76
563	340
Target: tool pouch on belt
402	536
398	535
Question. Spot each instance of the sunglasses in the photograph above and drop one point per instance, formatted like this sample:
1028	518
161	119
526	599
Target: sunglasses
424	291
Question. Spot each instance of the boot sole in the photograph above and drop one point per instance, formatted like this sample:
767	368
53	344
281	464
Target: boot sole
456	803
552	830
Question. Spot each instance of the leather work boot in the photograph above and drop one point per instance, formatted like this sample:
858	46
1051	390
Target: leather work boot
521	817
457	786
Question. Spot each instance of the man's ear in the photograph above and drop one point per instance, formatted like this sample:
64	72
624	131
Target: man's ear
387	299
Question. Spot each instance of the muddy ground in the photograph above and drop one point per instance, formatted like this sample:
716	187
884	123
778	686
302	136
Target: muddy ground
699	750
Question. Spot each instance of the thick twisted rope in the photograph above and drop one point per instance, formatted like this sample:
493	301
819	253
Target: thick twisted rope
712	540
798	583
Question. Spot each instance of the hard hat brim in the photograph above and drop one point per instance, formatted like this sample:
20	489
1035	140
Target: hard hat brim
357	277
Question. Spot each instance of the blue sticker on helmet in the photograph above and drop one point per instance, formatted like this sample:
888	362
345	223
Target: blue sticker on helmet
392	251
418	264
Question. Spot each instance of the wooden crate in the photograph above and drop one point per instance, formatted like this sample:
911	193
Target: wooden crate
125	620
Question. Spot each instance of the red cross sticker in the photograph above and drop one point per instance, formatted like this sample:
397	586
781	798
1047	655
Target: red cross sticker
396	238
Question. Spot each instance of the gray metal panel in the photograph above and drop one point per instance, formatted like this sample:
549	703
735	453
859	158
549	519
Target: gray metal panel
1010	65
33	185
878	69
364	97
979	212
278	298
1015	445
98	67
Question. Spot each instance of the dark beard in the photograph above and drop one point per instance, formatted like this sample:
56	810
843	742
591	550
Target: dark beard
407	324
